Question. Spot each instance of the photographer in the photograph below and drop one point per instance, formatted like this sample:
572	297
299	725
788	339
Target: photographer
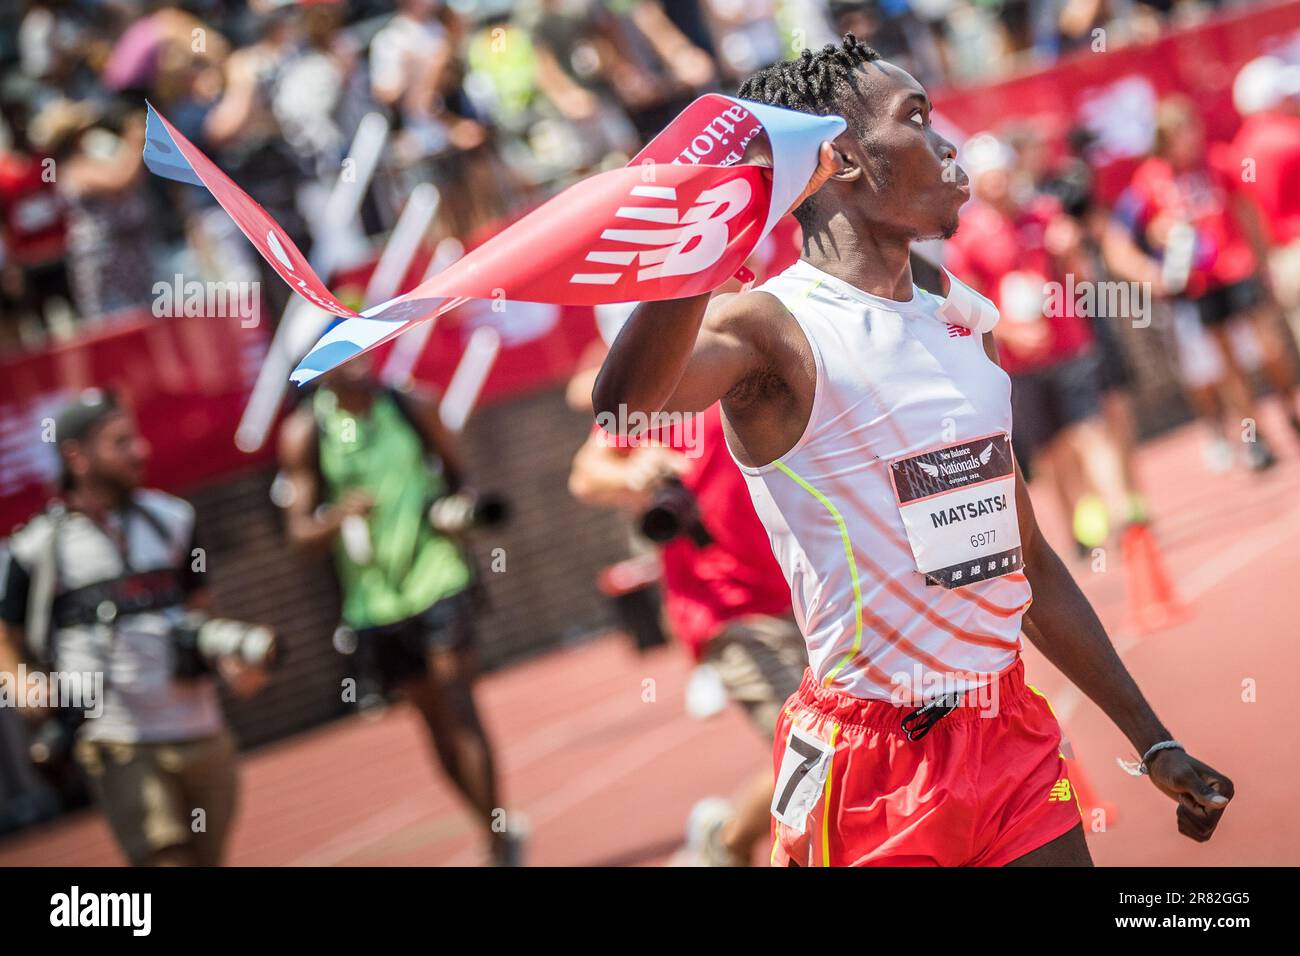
102	585
725	596
371	472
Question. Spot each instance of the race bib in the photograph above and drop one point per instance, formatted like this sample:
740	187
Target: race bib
802	775
959	508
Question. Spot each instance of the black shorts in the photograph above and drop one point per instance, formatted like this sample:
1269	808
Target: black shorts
1219	305
1046	402
393	654
1113	370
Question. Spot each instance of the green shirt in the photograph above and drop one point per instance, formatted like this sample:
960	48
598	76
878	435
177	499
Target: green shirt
412	566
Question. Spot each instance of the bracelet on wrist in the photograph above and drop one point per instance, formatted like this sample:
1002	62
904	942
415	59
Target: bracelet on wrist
1138	768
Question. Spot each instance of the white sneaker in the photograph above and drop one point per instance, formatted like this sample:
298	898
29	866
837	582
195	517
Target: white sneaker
510	851
706	694
704	833
1217	455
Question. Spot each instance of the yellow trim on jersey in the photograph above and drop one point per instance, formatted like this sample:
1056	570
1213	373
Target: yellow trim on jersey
853	567
826	807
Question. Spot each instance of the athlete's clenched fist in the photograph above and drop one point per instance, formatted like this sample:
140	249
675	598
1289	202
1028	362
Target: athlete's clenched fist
1201	791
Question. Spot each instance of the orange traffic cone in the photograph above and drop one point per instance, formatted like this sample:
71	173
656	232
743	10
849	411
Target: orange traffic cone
1152	602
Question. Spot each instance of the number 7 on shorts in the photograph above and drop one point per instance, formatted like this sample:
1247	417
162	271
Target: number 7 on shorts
801	778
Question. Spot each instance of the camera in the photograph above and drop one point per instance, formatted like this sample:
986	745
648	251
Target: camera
672	513
467	510
201	640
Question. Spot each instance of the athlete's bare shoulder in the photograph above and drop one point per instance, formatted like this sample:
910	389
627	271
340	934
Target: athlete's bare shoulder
767	409
760	321
752	315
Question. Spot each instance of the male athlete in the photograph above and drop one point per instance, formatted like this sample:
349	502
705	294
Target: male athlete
874	438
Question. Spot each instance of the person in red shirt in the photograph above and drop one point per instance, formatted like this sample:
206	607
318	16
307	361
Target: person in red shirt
1266	151
1185	228
33	225
1013	249
725	597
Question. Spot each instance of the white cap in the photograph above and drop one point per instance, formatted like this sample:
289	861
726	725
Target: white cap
1263	83
984	153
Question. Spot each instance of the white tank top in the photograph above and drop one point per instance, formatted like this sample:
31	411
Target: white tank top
893	380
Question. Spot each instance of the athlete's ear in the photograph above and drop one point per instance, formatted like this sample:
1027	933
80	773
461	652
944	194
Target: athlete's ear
850	168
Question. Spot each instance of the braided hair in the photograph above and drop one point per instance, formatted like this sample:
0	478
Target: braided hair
813	83
821	83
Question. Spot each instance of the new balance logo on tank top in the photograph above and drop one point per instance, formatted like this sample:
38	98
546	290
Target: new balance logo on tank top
893	516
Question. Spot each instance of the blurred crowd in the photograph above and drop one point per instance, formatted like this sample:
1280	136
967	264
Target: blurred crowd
1196	258
495	103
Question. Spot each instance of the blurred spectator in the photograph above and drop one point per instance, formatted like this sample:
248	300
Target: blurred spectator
895	32
604	64
1014	246
110	229
366	467
746	36
1184	227
1266	156
417	72
33	227
58	46
1072	184
240	132
104	582
321	96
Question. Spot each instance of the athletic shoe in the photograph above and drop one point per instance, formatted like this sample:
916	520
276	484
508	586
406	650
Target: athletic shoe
704	825
1259	456
1091	522
1217	455
509	850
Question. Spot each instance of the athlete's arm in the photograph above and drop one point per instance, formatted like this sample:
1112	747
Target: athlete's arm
1063	625
309	529
678	355
682	355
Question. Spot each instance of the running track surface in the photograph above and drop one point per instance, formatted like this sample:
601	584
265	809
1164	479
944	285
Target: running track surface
605	766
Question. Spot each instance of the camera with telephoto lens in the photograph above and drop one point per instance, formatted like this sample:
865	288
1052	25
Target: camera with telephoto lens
673	513
201	641
467	510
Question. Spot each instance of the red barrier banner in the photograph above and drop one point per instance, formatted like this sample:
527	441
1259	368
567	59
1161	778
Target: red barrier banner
1114	92
185	378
